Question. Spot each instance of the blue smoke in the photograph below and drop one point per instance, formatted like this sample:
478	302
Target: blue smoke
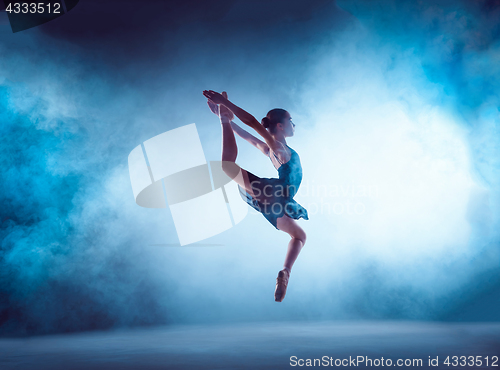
396	107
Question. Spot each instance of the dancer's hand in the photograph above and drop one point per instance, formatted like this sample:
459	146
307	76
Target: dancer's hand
221	111
225	112
214	96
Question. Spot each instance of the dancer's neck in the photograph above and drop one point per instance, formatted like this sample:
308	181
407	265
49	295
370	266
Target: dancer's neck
281	138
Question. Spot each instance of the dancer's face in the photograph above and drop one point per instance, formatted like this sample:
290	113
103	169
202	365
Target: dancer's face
288	126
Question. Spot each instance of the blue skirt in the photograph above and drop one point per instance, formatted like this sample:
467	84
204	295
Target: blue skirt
271	201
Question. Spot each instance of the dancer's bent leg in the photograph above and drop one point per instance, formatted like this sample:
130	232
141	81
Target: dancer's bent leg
295	245
298	235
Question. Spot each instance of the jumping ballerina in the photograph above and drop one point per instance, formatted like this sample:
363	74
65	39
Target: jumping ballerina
273	197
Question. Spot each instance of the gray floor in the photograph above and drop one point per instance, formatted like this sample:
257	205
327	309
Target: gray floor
253	346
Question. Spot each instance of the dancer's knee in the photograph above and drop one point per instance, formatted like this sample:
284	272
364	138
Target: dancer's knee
300	235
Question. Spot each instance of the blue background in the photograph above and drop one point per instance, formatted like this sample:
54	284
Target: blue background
397	111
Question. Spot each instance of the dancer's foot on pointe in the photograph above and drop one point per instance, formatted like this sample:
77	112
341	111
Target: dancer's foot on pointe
281	285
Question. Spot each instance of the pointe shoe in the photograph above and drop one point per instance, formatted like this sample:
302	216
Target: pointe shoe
281	285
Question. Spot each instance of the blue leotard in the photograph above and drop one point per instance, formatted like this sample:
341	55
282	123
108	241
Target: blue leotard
273	197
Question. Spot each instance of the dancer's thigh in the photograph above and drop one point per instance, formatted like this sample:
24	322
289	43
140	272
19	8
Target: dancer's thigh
239	175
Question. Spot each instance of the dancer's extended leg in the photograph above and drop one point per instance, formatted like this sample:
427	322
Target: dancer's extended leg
229	147
229	154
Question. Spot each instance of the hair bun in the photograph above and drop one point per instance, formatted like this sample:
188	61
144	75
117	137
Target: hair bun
266	122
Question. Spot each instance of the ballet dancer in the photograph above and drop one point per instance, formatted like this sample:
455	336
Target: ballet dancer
273	197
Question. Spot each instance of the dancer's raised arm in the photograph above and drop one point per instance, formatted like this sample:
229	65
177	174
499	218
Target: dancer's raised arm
245	117
259	144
